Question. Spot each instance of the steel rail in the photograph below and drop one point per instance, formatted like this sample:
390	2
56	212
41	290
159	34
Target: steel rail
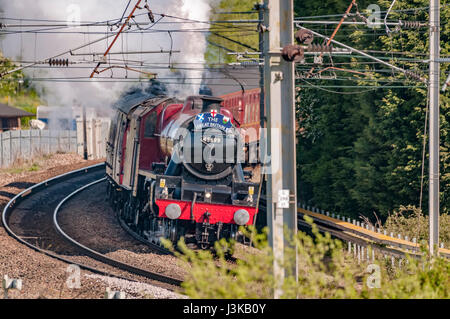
9	208
101	257
345	236
35	189
140	238
371	237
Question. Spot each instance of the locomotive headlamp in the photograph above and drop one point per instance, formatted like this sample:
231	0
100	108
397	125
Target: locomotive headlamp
241	217
173	211
207	195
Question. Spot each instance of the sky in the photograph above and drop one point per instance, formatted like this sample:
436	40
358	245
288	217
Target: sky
32	46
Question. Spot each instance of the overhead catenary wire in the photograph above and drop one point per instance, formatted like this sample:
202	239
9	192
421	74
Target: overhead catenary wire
116	37
397	11
55	56
424	150
369	88
398	69
213	24
386	16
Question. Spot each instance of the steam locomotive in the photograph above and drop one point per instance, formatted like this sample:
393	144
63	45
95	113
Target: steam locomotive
180	168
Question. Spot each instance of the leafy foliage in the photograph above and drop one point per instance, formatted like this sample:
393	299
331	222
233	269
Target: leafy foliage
16	90
361	150
231	37
410	221
324	271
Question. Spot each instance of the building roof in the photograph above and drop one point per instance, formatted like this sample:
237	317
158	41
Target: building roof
7	111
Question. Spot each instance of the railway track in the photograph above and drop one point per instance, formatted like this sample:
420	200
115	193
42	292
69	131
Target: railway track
31	218
141	239
42	203
348	231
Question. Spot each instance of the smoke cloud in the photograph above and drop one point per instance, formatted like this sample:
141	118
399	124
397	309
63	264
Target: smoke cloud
31	46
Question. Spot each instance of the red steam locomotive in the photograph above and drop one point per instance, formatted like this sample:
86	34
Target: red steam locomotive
179	168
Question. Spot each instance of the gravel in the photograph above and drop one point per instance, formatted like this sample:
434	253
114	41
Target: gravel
90	220
136	290
43	276
21	170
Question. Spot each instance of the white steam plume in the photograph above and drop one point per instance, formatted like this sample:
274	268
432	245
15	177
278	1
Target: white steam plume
31	47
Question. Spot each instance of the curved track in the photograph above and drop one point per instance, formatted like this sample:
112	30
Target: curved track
31	215
142	239
342	228
102	257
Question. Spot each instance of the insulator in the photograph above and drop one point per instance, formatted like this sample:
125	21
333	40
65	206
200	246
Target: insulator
249	63
304	36
293	53
413	75
410	24
150	13
151	16
58	62
319	48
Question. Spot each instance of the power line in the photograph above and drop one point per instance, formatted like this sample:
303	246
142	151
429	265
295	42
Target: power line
370	88
396	68
398	11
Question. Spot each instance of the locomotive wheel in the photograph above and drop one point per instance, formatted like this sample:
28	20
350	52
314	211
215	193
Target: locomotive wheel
127	212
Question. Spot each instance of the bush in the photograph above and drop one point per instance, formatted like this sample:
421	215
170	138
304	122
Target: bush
410	221
324	271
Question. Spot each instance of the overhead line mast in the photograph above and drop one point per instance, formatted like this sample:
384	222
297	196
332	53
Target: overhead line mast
279	86
434	125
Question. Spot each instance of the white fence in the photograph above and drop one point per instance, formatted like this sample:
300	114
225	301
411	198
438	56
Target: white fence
97	133
30	143
27	144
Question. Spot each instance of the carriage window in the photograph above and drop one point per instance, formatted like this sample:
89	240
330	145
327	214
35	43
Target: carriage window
150	125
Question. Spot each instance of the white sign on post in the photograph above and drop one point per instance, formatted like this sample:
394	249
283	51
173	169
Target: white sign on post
283	198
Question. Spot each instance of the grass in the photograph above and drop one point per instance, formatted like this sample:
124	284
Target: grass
22	165
34	167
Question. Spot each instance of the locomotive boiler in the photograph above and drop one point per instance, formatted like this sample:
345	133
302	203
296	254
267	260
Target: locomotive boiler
177	169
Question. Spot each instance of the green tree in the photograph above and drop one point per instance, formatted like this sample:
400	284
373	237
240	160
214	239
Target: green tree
231	37
16	89
375	165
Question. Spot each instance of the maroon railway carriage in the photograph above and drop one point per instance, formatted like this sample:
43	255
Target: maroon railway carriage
161	189
245	107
